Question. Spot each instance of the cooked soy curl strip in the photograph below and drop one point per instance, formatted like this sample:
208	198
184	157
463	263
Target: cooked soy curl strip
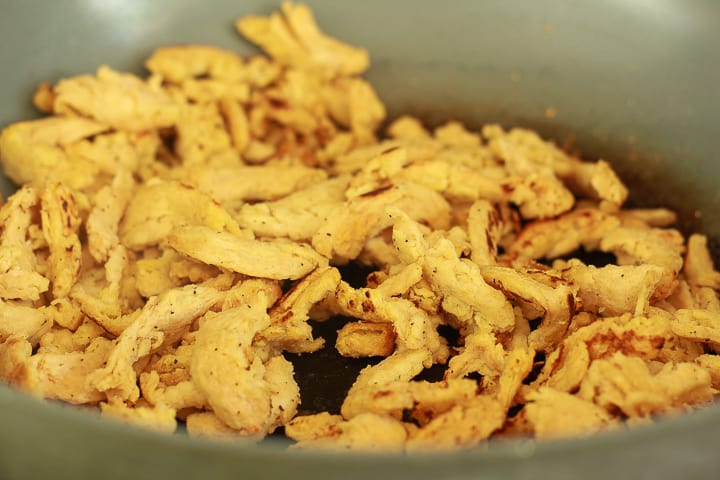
174	235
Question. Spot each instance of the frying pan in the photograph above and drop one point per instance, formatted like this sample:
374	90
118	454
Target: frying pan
635	83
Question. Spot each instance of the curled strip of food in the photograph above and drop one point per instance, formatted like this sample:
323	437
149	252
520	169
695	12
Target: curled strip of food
597	181
19	276
235	382
35	151
400	280
166	380
366	110
524	152
539	196
183	62
202	140
237	122
481	353
350	159
711	363
184	394
456	182
565	367
102	300
14	352
66	314
519	362
245	183
628	383
642	337
464	291
277	259
424	206
407	127
686	296
208	425
376	173
18	320
698	325
654	246
44	97
699	269
464	425
103	220
613	289
420	400
297	216
398	367
365	339
293	38
366	432
65	376
288	329
648	217
60	224
157	207
118	100
554	304
483	226
551	238
414	328
343	234
162	316
158	417
552	414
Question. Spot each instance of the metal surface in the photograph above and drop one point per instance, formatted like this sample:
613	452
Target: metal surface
633	82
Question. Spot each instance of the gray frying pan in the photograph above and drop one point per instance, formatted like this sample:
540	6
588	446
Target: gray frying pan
633	82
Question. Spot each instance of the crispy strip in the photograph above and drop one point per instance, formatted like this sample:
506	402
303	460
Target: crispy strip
367	432
288	329
119	100
65	376
18	320
698	325
699	268
276	259
60	225
34	151
226	369
557	303
554	414
157	207
365	339
253	182
19	278
292	37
